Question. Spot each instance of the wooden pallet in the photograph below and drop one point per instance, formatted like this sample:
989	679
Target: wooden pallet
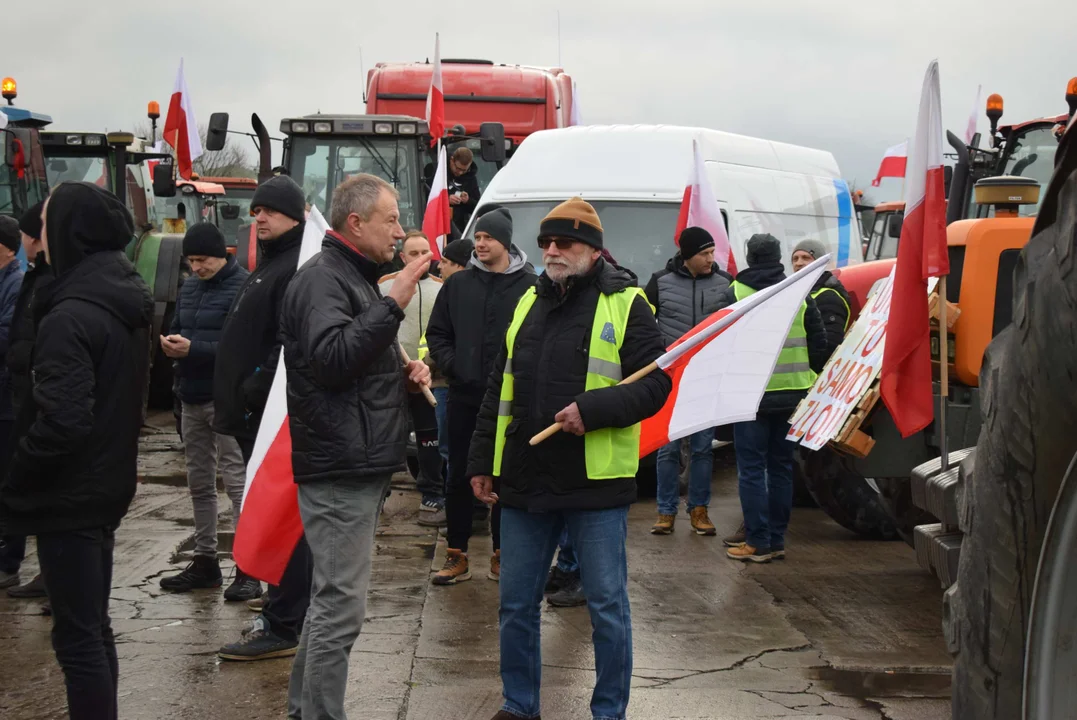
851	440
952	311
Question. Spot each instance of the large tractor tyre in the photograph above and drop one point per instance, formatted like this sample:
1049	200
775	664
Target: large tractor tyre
1029	385
162	375
801	495
896	496
845	496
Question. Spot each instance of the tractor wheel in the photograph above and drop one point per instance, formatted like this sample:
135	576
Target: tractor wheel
801	495
161	373
845	496
896	496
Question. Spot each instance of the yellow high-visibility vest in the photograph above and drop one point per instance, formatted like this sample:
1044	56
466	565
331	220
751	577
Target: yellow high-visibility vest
793	371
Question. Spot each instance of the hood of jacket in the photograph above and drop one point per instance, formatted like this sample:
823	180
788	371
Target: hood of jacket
517	261
762	275
83	219
827	280
107	280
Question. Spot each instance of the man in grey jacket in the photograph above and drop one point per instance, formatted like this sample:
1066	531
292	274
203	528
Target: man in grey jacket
683	295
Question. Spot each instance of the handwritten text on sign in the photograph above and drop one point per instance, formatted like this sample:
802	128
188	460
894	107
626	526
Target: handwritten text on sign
847	377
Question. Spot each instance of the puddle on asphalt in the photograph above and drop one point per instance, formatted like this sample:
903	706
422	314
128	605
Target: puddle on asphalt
886	683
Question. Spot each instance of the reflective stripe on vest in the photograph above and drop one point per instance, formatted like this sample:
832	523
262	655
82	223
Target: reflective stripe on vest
848	310
609	452
793	370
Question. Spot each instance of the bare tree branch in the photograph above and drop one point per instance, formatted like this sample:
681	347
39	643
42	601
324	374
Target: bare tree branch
231	161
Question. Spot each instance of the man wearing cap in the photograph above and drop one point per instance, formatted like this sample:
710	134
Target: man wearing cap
683	295
455	257
466	332
764	456
192	342
582	329
247	357
10	280
829	294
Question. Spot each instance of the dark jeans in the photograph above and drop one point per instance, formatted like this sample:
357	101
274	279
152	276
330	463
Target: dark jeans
566	554
431	482
459	499
77	569
286	607
765	470
12	547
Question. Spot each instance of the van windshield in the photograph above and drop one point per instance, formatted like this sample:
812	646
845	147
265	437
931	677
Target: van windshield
639	235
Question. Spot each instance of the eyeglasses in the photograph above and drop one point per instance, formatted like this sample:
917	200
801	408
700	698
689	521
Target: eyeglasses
561	243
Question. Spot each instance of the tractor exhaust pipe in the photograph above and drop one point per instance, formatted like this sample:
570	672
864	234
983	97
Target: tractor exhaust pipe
955	205
265	153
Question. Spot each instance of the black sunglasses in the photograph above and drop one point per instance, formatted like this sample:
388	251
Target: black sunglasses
561	243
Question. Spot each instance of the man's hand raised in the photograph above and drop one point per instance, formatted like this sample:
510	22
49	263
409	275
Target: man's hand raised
406	280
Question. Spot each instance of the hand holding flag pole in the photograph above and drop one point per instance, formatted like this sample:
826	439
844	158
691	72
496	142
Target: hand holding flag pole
425	388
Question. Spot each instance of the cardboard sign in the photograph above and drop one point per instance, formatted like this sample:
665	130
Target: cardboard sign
847	377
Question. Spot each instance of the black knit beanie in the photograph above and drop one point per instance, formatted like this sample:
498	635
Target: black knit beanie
498	224
280	193
30	222
459	251
764	248
576	219
204	239
695	240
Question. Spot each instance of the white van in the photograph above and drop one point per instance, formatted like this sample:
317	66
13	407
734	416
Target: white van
635	177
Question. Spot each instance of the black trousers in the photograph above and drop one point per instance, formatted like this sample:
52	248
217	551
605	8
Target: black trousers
77	569
286	607
459	499
431	480
12	547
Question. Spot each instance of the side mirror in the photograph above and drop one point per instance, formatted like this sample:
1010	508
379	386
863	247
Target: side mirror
228	211
947	179
217	133
492	136
58	165
894	225
164	185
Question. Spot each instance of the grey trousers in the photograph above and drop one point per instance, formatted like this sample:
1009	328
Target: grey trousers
202	447
340	518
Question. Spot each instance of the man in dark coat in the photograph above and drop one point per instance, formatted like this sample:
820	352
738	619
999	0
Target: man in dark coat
466	331
572	338
764	456
74	470
192	342
348	416
247	357
463	186
829	294
10	280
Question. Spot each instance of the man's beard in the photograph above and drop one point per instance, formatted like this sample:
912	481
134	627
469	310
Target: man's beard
562	268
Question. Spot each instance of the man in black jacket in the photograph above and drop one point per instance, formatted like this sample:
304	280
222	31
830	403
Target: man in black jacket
466	331
764	456
10	280
74	471
829	294
247	357
581	330
463	186
192	341
348	416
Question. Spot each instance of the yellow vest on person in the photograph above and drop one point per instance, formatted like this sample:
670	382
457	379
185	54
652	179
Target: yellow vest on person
848	310
793	371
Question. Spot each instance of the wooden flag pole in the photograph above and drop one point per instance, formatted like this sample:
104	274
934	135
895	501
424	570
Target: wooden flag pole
426	390
944	373
556	427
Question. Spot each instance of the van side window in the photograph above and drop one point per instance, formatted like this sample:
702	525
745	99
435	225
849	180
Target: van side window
725	221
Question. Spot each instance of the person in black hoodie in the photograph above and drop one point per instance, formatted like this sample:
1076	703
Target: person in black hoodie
764	456
74	471
466	330
463	186
247	356
828	292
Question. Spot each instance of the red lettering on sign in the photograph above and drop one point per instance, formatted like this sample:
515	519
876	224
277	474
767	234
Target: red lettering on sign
873	338
833	387
823	415
861	376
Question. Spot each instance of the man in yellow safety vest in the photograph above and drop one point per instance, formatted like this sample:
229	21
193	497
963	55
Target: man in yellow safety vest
575	335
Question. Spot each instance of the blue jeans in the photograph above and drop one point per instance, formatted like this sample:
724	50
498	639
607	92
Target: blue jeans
765	469
699	477
566	554
528	543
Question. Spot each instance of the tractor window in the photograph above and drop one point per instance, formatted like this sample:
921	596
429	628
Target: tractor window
485	170
78	169
1032	155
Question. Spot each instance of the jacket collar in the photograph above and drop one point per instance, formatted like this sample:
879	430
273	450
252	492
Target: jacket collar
230	268
367	267
289	240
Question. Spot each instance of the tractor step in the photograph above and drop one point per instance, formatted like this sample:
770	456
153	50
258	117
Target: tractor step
935	490
938	550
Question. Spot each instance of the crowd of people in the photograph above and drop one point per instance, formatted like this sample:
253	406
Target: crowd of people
505	350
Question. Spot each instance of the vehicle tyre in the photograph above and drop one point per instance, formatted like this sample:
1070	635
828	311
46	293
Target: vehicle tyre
162	376
845	496
1028	385
896	497
801	495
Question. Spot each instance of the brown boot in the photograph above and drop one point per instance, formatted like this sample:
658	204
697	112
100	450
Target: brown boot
495	567
664	525
737	538
747	553
701	523
455	569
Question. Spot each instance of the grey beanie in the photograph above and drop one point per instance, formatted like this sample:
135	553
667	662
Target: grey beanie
811	246
498	224
763	248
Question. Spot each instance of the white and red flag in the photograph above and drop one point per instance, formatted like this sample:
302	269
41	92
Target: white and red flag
905	378
893	164
435	98
181	129
721	367
437	220
970	130
269	525
699	208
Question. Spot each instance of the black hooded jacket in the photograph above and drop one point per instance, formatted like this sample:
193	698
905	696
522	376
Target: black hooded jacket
469	183
23	331
549	366
74	464
762	276
834	311
249	347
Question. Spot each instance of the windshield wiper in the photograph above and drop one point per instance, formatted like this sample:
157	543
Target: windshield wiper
380	159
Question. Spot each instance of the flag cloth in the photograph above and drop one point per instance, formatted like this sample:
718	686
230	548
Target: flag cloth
574	111
269	524
699	208
970	130
721	367
905	379
181	129
437	222
893	164
435	98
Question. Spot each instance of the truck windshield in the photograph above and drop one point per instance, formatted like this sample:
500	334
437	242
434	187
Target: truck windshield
319	164
1032	155
639	235
236	202
75	168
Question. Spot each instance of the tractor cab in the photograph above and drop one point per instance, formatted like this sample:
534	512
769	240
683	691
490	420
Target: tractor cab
882	241
23	181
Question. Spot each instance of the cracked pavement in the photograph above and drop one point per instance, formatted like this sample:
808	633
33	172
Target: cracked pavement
844	629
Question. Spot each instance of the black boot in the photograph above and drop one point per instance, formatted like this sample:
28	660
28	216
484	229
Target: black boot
570	594
244	587
203	572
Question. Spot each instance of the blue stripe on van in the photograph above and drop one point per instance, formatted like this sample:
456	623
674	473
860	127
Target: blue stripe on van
845	218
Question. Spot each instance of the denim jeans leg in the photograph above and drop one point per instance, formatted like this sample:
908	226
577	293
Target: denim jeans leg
779	479
566	554
599	537
700	475
669	470
750	439
529	543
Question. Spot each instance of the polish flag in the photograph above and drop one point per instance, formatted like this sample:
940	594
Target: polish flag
269	524
906	371
893	164
574	112
699	208
723	364
181	130
435	98
437	220
970	130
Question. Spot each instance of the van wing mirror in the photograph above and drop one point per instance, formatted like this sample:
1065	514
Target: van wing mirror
492	136
164	185
217	133
894	225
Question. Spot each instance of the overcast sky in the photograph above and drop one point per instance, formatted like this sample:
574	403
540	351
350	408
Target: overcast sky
841	76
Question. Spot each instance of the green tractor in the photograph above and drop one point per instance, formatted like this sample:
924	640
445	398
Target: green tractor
22	166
